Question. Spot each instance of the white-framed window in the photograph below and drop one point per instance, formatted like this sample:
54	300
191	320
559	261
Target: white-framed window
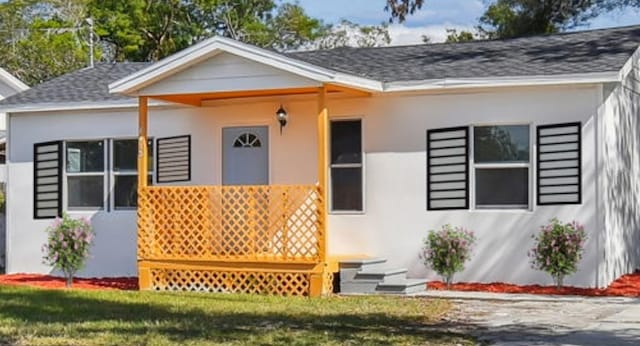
501	166
124	172
85	167
102	174
346	165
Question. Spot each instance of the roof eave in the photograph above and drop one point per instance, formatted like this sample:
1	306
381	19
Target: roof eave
72	106
472	83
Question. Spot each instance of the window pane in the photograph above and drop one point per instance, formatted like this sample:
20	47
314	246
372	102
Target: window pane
126	191
501	143
125	155
346	185
346	143
86	191
85	156
502	187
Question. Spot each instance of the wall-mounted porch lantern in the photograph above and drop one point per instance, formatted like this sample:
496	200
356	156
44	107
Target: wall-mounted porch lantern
281	115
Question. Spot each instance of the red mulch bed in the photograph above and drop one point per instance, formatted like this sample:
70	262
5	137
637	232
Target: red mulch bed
46	281
626	286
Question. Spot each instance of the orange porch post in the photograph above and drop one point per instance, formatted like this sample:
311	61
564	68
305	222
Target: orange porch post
144	272
317	284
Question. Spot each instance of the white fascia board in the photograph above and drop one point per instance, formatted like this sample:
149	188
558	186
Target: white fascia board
215	45
53	107
12	81
439	84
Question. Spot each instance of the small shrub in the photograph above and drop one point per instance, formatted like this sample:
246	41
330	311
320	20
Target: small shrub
558	249
68	244
445	251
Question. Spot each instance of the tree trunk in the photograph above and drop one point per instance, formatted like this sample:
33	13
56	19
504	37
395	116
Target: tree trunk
448	280
69	280
559	279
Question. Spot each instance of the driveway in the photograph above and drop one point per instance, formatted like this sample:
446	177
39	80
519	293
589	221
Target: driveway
509	319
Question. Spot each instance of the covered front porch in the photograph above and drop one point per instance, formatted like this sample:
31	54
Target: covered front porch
247	232
266	238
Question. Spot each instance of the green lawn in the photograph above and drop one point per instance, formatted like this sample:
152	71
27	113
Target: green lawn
56	317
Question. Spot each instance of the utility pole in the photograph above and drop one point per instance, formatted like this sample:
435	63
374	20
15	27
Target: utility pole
91	44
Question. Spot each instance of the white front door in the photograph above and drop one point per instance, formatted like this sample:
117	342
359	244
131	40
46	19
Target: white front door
245	155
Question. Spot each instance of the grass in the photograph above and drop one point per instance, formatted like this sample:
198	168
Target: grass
57	317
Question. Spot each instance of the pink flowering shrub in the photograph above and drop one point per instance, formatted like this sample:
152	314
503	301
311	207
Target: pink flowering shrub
68	244
445	251
558	249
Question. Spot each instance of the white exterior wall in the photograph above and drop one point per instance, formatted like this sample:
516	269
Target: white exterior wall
620	176
395	220
114	253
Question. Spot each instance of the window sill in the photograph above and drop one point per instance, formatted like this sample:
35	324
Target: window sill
503	210
347	212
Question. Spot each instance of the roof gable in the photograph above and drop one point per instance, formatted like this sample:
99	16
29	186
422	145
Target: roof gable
226	72
131	85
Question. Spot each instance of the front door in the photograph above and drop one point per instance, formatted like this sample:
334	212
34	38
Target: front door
245	155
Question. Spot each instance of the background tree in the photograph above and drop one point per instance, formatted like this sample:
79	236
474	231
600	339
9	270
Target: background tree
141	30
453	35
400	9
41	40
349	34
516	18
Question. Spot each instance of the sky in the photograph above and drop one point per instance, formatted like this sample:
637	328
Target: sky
433	19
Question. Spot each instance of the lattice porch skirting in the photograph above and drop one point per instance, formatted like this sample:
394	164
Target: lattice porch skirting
234	281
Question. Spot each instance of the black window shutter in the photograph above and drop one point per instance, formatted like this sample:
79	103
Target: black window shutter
448	168
559	166
173	159
47	180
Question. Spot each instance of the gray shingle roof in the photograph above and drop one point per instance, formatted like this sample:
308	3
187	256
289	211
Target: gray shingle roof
601	50
84	85
578	52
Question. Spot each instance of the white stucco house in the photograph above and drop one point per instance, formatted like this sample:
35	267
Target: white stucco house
380	145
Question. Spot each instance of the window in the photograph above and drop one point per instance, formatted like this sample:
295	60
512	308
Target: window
85	163
346	165
247	140
125	172
502	164
89	168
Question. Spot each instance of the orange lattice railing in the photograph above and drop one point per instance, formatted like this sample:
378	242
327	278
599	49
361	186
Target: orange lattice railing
273	224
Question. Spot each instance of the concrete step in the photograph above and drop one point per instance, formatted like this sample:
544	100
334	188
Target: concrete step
409	286
359	287
382	274
349	268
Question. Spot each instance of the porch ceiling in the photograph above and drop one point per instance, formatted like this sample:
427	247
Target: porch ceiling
198	99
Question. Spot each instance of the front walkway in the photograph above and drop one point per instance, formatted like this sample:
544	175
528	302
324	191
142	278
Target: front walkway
517	319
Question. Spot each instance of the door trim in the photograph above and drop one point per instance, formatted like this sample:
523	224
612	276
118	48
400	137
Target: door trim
220	151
